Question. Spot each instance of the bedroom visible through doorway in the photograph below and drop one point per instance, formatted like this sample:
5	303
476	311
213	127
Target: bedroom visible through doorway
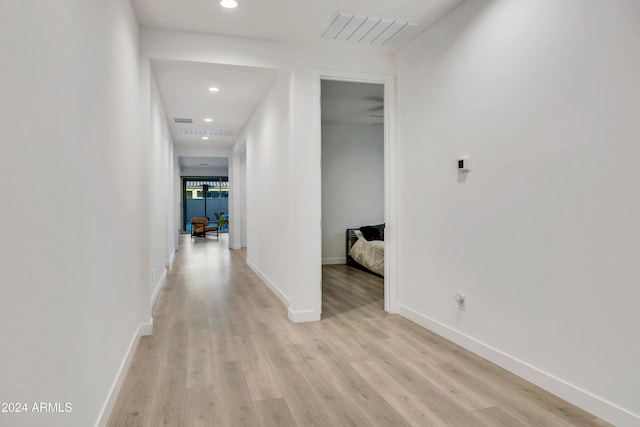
353	196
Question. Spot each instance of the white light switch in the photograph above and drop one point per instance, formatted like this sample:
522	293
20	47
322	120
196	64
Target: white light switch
464	164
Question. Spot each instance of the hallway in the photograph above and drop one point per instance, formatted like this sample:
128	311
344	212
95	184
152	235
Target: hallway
224	353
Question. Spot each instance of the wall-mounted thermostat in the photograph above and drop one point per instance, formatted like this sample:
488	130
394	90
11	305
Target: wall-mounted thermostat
464	164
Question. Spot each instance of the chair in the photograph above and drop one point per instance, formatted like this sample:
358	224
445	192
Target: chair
200	226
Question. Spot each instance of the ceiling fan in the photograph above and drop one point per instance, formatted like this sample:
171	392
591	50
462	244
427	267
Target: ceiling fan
378	116
378	110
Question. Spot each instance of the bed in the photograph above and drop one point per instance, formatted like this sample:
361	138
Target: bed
365	248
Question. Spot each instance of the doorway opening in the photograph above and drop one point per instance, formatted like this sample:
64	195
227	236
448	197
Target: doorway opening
353	150
205	197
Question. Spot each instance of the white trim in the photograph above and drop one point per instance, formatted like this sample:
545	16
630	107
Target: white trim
390	197
236	247
105	412
146	329
331	261
281	296
159	285
598	406
303	316
390	253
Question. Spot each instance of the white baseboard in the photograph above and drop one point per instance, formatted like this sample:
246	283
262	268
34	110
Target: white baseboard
236	247
304	316
281	296
171	260
159	285
332	261
598	406
105	413
146	329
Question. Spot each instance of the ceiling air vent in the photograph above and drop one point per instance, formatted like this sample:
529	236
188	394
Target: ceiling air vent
178	120
369	29
197	132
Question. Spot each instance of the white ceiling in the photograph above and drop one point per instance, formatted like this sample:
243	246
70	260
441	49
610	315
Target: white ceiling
293	21
183	85
184	89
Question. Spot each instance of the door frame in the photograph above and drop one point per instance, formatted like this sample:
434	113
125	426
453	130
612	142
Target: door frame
390	193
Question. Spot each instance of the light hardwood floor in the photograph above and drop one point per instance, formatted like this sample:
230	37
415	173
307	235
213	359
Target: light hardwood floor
223	353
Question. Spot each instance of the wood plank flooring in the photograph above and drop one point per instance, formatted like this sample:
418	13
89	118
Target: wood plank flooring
223	353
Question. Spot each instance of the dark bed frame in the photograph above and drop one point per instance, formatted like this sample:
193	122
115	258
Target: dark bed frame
350	239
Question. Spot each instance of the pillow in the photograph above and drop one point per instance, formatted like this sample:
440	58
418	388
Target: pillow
373	232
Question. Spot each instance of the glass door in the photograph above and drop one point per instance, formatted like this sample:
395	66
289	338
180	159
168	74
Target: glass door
218	202
206	197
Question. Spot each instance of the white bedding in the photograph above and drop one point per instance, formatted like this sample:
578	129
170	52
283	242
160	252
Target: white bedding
369	254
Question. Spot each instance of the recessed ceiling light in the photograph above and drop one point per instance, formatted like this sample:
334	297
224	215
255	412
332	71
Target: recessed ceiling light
208	120
213	89
229	4
205	137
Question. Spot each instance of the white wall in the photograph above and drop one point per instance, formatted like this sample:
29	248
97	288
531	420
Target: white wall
177	203
72	299
238	198
352	183
542	235
161	220
204	171
269	191
198	150
243	200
